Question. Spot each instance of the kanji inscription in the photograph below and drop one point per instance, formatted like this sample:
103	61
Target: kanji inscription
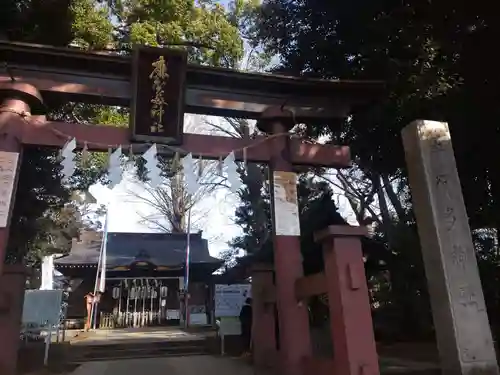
158	84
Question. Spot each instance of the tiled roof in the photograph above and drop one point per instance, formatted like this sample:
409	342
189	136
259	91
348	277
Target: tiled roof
123	249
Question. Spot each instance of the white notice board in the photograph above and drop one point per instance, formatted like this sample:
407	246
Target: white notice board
229	299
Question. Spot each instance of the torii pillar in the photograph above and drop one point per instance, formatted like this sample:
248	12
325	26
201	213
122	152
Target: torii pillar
263	325
17	102
294	334
462	329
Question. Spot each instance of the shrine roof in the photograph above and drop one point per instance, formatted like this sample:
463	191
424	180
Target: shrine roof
124	249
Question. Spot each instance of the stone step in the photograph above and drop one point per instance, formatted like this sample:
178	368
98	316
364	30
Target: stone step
110	344
84	353
135	356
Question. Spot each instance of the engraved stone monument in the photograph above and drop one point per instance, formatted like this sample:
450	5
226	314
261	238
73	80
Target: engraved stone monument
462	329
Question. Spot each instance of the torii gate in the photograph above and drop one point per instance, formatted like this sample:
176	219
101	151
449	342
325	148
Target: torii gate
37	73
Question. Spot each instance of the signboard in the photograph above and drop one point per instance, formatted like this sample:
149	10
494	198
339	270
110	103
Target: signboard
8	167
229	326
173	314
286	207
42	308
229	299
158	84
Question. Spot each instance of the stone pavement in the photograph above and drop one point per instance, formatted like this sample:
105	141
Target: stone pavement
191	365
137	336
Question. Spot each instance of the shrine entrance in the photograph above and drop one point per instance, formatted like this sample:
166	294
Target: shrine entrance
142	302
158	102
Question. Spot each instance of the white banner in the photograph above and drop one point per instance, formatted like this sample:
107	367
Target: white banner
286	207
47	273
8	168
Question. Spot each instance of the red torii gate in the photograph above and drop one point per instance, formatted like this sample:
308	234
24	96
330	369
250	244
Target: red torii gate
64	75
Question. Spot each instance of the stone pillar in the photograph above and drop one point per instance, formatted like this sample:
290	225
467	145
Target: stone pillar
263	327
295	340
12	283
462	328
354	349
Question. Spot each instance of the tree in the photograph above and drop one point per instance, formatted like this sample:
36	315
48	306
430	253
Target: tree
203	26
415	49
95	25
317	210
171	201
436	62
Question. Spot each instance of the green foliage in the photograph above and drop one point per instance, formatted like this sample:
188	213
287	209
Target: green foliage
182	22
39	196
317	210
37	21
255	225
92	26
436	61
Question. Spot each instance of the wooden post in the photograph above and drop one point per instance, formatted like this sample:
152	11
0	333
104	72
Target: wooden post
462	329
263	323
351	325
295	341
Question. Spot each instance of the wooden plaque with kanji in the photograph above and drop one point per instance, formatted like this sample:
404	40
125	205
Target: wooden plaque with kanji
158	84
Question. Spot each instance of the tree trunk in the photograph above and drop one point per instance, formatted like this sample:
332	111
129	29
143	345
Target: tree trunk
395	201
255	182
384	208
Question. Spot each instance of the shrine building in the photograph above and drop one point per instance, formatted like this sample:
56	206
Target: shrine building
145	279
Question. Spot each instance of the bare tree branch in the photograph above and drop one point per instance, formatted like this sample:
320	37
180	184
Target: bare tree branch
172	202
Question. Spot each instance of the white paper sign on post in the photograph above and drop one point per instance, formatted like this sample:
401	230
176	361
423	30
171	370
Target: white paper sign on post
286	207
8	167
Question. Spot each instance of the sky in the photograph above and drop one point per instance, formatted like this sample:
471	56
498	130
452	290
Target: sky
214	214
126	212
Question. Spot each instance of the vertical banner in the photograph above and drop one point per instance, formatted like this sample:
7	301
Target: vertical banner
47	273
186	279
8	167
286	208
102	280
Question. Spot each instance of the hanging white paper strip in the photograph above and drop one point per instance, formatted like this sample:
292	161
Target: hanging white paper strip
153	172
68	161
233	177
190	176
115	170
